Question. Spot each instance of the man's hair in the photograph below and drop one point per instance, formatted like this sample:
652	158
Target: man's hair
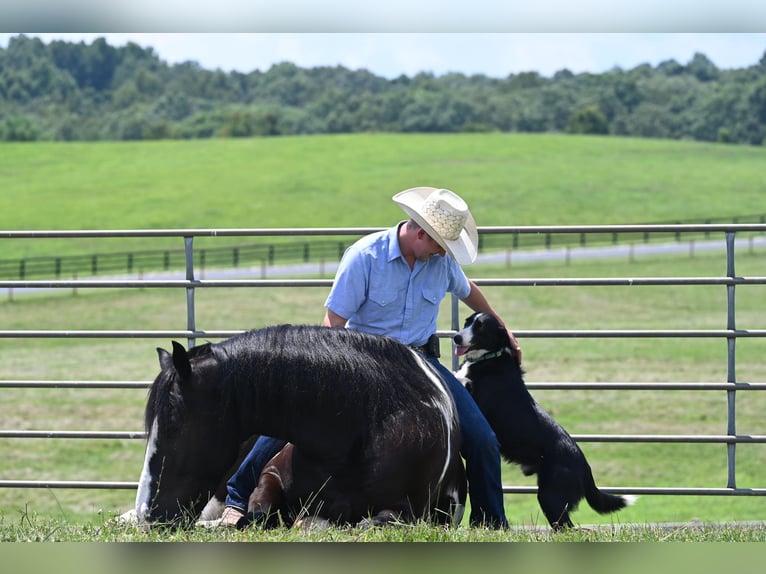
412	225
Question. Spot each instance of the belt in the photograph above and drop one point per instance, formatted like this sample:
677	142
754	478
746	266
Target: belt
430	349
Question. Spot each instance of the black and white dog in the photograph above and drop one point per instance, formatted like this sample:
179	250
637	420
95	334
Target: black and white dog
527	434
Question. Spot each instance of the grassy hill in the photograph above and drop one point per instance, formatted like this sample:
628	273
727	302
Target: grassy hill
347	180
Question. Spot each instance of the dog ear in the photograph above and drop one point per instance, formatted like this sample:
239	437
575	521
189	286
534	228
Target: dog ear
504	337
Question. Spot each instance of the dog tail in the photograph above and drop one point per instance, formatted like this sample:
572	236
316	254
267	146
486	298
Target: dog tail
603	502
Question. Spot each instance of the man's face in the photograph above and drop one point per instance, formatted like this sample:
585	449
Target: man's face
426	247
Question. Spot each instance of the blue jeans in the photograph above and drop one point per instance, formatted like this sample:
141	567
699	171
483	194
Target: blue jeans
243	482
481	452
479	449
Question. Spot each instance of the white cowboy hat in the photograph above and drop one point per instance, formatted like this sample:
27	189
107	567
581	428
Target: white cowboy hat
445	217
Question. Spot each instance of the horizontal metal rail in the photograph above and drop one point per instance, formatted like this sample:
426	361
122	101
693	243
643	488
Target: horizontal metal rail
228	232
109	435
649	490
580	386
493	282
547	334
76	484
623	490
19	384
312	231
596	438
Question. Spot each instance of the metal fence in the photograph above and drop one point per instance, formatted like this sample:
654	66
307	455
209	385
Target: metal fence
192	283
136	261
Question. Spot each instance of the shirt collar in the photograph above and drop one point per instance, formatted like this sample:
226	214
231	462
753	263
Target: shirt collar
394	251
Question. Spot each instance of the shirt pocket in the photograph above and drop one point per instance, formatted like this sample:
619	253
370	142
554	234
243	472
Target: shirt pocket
433	296
382	296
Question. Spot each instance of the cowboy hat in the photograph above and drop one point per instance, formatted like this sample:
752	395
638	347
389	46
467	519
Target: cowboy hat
445	217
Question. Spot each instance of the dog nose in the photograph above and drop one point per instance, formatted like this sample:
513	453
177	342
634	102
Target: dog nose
458	339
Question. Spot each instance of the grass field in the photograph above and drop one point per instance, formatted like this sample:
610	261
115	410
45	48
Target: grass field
347	180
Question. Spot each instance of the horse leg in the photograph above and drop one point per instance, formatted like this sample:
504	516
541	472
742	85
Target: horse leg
268	498
382	518
215	506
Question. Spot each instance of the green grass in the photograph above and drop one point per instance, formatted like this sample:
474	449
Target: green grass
28	527
347	180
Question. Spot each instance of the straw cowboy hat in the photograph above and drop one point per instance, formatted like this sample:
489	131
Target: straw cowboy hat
445	217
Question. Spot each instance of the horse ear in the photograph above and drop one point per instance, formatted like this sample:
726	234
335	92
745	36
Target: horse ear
165	360
181	360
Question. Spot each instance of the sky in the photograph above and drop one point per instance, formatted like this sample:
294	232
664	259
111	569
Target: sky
491	37
392	54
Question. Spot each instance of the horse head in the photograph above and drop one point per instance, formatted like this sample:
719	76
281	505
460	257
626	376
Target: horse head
191	440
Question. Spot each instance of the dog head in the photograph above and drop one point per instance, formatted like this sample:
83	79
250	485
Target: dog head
481	335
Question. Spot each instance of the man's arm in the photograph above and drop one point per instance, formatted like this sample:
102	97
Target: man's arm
478	302
332	319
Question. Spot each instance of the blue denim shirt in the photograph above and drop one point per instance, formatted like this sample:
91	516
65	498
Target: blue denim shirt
376	291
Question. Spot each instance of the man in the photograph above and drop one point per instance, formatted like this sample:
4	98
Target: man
392	283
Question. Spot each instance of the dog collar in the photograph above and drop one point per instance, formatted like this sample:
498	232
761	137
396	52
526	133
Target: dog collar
489	356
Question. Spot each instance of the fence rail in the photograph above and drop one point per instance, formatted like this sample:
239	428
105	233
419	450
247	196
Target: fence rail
138	261
192	283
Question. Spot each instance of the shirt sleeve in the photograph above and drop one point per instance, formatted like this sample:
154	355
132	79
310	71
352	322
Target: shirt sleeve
351	285
458	282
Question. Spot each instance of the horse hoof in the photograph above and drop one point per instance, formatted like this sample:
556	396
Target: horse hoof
312	523
382	518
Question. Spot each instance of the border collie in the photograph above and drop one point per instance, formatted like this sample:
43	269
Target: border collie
527	434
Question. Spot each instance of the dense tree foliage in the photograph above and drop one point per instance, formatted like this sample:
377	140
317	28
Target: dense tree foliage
68	91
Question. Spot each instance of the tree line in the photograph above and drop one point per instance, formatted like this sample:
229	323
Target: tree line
83	92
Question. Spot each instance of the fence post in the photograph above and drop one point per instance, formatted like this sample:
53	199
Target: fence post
190	318
731	395
455	327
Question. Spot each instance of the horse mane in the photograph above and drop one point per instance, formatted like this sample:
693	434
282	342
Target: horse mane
366	365
282	356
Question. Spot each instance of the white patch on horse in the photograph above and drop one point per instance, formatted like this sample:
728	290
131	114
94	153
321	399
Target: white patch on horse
143	495
445	405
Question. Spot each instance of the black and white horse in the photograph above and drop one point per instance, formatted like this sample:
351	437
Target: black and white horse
372	427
